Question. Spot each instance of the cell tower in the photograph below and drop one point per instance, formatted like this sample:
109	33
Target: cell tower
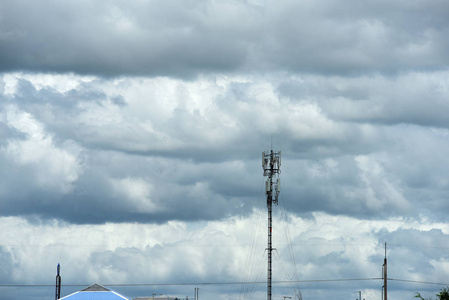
271	163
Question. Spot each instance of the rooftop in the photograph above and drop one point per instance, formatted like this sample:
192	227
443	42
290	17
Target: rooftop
95	292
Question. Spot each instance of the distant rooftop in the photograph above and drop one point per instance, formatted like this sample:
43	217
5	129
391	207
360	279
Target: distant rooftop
156	298
95	288
95	292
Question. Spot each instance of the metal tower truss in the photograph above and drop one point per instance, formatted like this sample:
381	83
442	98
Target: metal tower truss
271	164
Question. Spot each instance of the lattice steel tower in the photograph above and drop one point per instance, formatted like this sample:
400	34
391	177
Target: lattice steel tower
271	163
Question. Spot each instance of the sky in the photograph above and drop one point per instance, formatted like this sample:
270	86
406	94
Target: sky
131	135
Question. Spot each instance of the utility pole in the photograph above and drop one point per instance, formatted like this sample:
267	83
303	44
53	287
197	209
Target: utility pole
271	163
197	292
384	274
58	283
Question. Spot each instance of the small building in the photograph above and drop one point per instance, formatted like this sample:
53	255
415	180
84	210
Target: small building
156	298
95	292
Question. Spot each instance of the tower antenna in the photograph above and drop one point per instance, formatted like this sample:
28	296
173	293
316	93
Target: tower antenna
271	164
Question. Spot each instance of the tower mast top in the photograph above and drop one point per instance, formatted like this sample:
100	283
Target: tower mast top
271	164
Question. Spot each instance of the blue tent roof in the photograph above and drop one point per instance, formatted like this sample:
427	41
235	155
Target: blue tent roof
95	292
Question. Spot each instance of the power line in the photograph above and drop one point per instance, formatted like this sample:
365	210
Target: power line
417	281
298	244
230	283
195	283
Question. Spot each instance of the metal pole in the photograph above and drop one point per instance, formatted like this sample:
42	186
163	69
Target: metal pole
385	273
269	193
58	283
270	247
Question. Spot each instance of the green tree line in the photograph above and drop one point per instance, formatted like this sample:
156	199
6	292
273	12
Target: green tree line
442	295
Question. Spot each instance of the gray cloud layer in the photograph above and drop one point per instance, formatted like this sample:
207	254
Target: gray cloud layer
184	38
129	150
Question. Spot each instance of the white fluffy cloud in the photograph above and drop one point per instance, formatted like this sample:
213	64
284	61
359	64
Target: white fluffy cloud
51	167
149	146
323	247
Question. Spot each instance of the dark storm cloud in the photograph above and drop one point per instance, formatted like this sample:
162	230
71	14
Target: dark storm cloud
184	38
115	38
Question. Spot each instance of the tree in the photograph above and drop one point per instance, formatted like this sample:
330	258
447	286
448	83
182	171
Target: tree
418	295
442	295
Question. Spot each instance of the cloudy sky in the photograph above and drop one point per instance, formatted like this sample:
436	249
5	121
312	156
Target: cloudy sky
131	135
